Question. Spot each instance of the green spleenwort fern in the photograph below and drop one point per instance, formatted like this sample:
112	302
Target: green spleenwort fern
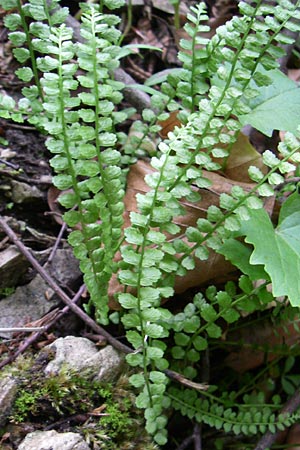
73	100
248	419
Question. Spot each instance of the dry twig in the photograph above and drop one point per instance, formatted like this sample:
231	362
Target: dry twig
58	291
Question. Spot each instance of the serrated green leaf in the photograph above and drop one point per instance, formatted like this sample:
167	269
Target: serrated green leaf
133	236
181	339
68	200
214	331
191	324
127	300
131	320
24	74
137	380
134	338
277	249
202	253
62	182
18	38
135	359
208	312
154	353
128	278
200	343
21	54
193	355
157	377
178	352
149	276
155	331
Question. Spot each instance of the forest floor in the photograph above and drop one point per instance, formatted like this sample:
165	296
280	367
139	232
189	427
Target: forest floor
28	204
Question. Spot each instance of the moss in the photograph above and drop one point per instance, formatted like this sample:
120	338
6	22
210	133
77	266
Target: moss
110	418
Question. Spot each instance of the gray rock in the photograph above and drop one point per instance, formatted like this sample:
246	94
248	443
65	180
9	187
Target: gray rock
24	193
82	355
35	299
13	265
51	440
8	390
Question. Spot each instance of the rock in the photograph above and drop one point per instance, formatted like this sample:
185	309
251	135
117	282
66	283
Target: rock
13	265
35	299
82	355
24	193
8	390
51	440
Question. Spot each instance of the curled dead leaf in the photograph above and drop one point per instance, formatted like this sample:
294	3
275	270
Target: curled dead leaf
241	157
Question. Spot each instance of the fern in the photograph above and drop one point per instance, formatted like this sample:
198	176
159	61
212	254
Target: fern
247	419
219	79
181	166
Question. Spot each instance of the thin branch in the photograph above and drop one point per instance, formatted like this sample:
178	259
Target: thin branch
58	291
197	437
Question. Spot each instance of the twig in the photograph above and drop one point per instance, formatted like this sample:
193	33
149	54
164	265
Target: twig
186	442
185	381
25	329
197	437
58	291
57	242
289	408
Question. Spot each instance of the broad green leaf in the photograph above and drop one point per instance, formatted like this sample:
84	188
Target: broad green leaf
278	249
282	96
237	253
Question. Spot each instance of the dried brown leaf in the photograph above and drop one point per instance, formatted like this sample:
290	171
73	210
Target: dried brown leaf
169	124
257	342
216	268
242	156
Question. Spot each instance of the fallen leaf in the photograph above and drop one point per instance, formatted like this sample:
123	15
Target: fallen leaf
169	124
294	74
293	438
242	156
215	268
256	345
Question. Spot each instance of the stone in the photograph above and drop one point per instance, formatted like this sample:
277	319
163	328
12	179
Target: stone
52	440
83	356
24	193
8	391
13	266
35	299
